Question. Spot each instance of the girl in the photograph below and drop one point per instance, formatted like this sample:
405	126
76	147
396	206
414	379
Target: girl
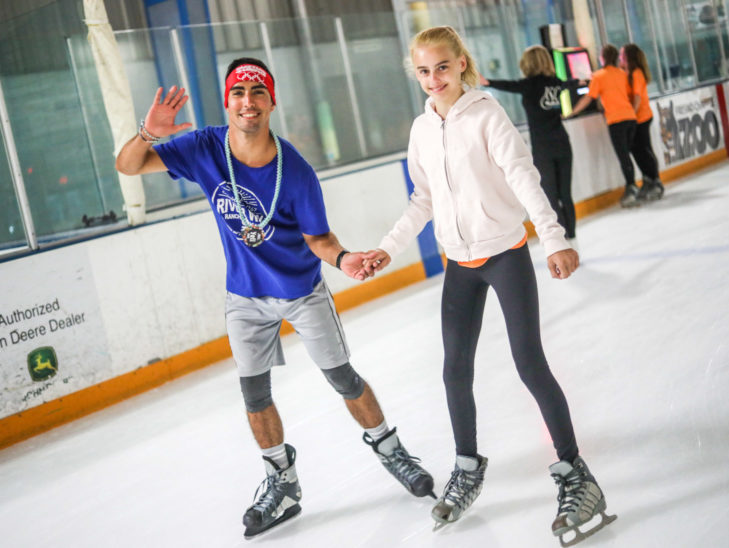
611	85
474	175
635	64
550	144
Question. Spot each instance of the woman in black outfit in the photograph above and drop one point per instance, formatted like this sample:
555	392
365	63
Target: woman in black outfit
551	149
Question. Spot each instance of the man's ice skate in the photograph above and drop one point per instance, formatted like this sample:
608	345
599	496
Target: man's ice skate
276	499
461	490
401	464
580	500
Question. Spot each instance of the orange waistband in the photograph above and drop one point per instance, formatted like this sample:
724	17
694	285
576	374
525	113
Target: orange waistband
480	262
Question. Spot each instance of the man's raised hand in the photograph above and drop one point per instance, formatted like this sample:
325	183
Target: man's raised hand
160	119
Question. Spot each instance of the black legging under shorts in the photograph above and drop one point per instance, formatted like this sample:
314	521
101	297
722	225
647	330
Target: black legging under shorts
464	296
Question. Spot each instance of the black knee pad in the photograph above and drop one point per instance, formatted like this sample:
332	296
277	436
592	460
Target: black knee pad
256	392
345	381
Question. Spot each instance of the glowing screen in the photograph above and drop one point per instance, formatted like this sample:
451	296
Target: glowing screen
579	63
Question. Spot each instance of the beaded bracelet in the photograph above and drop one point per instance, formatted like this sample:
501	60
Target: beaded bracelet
143	132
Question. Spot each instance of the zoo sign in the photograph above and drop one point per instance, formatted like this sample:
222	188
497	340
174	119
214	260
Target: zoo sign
689	125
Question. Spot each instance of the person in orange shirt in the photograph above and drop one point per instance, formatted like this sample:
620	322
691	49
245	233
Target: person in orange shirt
635	64
611	85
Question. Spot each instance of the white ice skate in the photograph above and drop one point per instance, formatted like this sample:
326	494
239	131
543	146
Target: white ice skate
461	490
580	500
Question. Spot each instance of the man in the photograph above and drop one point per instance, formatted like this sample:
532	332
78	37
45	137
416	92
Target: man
269	209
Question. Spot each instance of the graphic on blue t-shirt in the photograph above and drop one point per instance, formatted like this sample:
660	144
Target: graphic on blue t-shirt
224	203
283	266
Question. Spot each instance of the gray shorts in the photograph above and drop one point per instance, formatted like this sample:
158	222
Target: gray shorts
254	324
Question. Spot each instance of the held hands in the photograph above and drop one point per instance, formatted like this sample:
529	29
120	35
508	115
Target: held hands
563	263
160	119
361	266
353	265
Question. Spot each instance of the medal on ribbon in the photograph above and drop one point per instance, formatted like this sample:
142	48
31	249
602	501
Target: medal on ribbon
252	234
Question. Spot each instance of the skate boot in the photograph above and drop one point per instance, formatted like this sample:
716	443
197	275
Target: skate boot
401	464
461	490
630	196
276	499
580	499
655	190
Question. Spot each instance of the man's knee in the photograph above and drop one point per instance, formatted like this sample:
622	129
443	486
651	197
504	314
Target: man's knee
345	381
257	392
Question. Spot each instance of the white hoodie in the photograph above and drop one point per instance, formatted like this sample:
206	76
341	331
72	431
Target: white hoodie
473	175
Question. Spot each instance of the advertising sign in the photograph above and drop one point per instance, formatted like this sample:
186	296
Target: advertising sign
689	125
52	339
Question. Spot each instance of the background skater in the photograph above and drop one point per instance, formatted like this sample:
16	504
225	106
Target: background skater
610	84
633	61
551	148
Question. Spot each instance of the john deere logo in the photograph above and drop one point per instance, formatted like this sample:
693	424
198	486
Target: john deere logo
42	363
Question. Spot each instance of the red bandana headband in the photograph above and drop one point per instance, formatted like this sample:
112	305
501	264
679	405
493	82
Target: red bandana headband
249	73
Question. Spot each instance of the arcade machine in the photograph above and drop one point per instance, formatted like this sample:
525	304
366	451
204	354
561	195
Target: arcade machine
569	62
574	63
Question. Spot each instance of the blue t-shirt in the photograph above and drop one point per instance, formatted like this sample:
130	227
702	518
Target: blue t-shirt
283	266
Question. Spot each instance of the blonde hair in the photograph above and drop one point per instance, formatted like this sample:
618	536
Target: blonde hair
536	61
447	36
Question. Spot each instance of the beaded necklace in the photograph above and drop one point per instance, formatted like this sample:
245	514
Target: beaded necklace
252	234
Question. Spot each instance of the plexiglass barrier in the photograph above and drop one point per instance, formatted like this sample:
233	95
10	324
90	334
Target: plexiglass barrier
343	93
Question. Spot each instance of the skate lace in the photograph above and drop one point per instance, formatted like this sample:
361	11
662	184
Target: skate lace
571	490
270	494
405	466
461	488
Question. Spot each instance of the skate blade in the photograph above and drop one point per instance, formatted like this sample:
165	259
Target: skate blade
287	516
580	536
440	523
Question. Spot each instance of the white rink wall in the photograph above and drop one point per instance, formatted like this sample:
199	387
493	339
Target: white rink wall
113	304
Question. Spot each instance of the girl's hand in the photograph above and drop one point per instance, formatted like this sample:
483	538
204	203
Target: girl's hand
376	260
563	263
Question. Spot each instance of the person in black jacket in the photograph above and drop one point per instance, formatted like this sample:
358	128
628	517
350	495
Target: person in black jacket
550	144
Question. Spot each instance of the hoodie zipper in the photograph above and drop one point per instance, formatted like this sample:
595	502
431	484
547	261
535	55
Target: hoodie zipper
450	187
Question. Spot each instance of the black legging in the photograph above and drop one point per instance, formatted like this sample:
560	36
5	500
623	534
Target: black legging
642	151
464	296
621	135
556	172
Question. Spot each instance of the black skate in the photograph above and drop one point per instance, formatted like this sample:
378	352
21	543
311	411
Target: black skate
651	190
460	491
580	499
630	197
654	190
403	466
279	497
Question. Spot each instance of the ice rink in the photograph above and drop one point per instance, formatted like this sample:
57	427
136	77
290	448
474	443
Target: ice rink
638	338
